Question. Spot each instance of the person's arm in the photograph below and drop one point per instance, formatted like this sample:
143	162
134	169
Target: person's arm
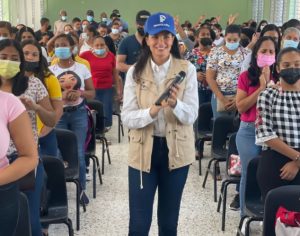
89	90
116	79
21	133
187	42
50	44
199	21
121	65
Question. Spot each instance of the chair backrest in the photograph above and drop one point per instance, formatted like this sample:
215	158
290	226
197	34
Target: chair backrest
91	147
23	227
232	149
100	117
252	191
67	145
285	196
204	117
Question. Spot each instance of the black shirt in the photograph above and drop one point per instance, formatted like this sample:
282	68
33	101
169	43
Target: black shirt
130	47
38	34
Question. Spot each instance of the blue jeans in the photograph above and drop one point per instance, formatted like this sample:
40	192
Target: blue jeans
217	114
106	97
170	186
245	142
48	144
204	95
77	122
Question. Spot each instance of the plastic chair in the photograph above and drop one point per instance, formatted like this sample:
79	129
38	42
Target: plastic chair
57	211
285	196
100	128
204	129
90	153
67	145
254	208
223	126
228	179
23	227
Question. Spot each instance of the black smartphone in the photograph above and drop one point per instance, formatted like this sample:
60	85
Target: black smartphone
165	95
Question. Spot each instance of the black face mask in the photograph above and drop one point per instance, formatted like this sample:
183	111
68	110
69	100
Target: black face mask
206	42
244	42
141	31
31	66
290	75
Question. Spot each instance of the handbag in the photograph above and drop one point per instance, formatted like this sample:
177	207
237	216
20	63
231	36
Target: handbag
221	105
235	167
287	223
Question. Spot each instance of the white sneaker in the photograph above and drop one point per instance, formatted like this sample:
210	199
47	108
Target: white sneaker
88	177
243	229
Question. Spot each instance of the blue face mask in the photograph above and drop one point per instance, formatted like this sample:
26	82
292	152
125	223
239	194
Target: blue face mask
90	18
232	46
63	52
290	44
100	51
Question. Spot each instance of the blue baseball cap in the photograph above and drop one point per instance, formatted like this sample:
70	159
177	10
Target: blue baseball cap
159	22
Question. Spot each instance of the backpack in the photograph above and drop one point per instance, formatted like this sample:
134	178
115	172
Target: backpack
90	128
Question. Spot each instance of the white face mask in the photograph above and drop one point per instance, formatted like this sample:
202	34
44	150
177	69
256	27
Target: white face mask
83	27
114	31
104	19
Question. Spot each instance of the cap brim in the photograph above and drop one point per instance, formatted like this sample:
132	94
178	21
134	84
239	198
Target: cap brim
158	30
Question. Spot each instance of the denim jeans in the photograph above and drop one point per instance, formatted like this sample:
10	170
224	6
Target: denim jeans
106	97
170	186
245	141
77	122
217	114
9	209
204	95
48	144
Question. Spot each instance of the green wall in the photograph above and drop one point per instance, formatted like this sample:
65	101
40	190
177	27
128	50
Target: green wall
186	9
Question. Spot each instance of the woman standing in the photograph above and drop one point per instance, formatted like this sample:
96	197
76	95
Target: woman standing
161	145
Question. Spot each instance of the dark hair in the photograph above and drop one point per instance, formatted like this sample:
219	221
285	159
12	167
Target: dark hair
103	25
92	29
19	81
23	30
218	26
253	25
84	21
259	25
285	51
254	71
212	33
99	37
271	27
7	25
76	19
233	29
43	70
69	38
14	30
44	20
145	54
291	23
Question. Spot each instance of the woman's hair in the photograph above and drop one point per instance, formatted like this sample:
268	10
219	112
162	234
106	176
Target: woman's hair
271	27
68	25
92	30
145	54
290	30
19	81
43	70
233	29
254	71
259	25
285	51
6	25
69	38
99	37
23	30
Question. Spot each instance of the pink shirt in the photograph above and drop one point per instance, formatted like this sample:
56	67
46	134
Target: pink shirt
244	84
11	108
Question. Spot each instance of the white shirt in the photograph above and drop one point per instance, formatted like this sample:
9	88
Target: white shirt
219	42
186	110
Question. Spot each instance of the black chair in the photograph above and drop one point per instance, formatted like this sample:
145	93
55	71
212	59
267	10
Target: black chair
57	199
67	145
204	129
285	196
117	113
223	126
228	179
90	153
100	128
254	208
23	227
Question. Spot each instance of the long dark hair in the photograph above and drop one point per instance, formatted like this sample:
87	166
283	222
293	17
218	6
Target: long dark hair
254	71
23	30
259	25
19	81
271	27
145	54
43	70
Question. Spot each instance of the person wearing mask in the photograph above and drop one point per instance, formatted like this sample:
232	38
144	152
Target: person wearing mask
84	25
86	43
161	138
290	38
250	84
261	25
129	48
115	34
104	74
103	30
68	29
219	41
14	125
34	96
277	126
5	30
45	28
124	24
77	85
90	18
76	22
104	19
59	24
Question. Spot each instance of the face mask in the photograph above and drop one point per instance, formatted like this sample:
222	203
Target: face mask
104	19
141	31
290	75
186	32
90	18
31	66
114	31
8	69
83	27
262	27
265	60
67	32
100	51
290	44
75	51
64	18
2	38
206	42
63	52
232	46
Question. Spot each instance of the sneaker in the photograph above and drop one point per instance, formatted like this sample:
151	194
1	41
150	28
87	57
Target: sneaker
88	177
84	198
243	229
235	204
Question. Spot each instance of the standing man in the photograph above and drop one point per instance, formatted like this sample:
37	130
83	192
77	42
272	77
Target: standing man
60	24
76	22
45	28
90	18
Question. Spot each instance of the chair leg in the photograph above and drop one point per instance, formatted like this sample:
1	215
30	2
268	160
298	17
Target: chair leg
107	150
247	228
94	175
77	205
238	233
220	197
215	181
122	128
98	169
224	205
103	153
200	162
119	128
68	222
206	174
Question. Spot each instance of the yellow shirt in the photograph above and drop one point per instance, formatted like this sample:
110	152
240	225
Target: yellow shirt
54	91
77	59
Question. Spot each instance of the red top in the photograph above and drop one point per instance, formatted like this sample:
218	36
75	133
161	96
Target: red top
101	68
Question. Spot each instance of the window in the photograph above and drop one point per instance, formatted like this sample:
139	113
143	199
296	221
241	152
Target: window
257	10
294	9
279	11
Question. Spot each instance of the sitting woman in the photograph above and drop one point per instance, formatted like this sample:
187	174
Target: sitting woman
277	126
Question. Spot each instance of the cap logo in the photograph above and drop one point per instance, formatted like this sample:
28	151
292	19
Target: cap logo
162	18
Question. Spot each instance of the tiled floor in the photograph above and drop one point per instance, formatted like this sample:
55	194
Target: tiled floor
107	215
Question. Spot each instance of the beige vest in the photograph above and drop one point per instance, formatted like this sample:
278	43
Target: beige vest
180	137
